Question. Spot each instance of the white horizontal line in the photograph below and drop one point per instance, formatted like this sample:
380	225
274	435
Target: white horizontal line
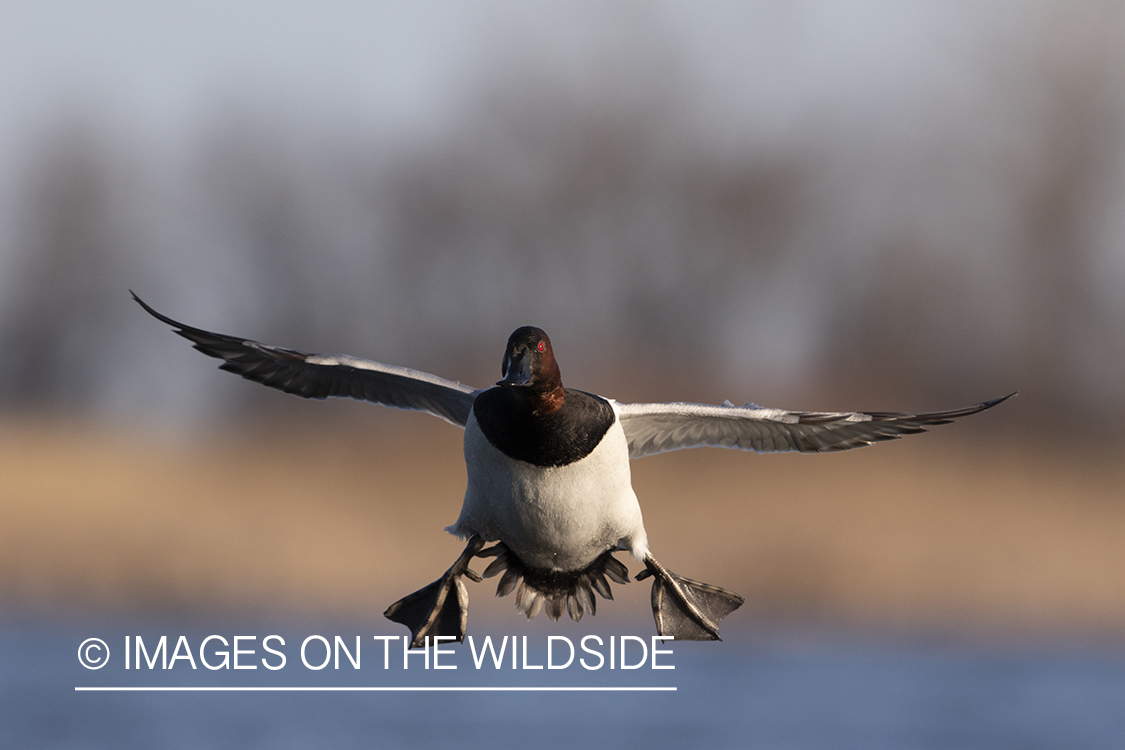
427	689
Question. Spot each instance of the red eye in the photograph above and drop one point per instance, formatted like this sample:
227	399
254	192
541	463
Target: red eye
542	347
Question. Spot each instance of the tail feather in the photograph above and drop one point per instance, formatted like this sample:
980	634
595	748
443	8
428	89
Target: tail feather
554	592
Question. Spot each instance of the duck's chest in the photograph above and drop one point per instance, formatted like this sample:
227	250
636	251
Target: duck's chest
567	508
560	438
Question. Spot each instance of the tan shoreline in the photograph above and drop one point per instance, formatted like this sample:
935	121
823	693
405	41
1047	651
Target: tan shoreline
928	531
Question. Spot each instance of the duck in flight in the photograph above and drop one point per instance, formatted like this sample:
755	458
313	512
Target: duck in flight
548	472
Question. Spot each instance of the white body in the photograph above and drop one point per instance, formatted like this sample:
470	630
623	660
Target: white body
553	518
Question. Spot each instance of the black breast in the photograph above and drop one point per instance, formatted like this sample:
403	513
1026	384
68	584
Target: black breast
569	434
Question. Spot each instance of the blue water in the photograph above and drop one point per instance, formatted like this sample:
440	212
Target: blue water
753	690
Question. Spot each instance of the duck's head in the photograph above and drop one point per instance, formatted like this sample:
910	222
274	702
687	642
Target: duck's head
529	363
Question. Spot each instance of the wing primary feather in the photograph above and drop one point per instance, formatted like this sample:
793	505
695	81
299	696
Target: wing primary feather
329	376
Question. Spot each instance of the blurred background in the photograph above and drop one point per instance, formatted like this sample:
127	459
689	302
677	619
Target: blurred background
879	206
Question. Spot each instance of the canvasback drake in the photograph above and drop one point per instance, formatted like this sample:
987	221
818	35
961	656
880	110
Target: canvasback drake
548	472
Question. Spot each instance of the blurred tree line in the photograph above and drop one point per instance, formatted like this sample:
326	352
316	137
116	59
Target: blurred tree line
774	273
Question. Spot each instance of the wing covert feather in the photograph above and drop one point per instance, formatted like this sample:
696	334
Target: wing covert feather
657	428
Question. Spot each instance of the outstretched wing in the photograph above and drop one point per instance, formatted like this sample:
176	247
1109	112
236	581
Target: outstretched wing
331	375
656	428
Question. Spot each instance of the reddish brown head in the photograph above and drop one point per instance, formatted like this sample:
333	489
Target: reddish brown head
530	369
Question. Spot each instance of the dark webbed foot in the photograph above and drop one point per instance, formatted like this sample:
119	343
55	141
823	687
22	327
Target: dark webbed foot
687	609
442	608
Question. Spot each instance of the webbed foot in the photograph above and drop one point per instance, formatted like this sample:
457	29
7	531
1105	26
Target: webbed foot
442	608
687	609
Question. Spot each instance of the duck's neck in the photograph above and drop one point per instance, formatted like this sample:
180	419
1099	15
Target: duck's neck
542	399
548	402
